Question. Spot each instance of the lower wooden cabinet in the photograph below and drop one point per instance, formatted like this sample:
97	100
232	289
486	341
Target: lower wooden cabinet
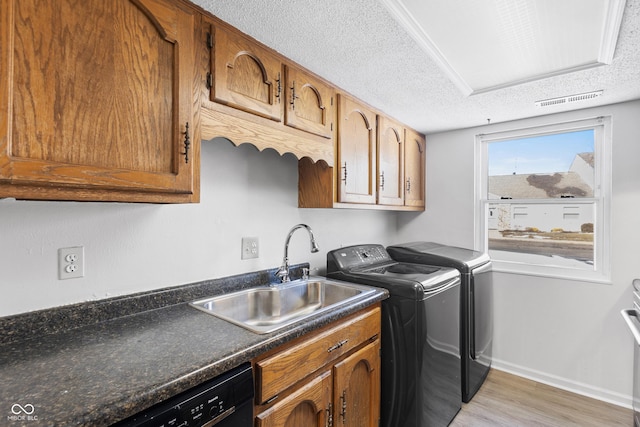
310	405
356	386
329	377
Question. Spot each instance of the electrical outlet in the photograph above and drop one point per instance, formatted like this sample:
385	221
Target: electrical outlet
70	262
250	248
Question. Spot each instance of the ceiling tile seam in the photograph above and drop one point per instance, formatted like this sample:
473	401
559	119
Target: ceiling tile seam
538	77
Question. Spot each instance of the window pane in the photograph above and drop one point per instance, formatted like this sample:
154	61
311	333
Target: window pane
543	206
555	234
541	167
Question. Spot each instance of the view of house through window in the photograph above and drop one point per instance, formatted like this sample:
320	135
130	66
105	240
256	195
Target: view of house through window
540	199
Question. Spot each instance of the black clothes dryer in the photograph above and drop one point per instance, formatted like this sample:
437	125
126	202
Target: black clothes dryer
420	340
476	303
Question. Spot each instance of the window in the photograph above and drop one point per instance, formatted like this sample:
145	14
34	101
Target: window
543	199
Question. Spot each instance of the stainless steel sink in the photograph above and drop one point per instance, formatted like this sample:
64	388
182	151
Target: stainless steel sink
268	308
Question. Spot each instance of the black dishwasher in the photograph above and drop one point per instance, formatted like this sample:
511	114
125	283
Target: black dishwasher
225	401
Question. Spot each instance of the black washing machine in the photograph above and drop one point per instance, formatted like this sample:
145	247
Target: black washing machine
476	303
420	340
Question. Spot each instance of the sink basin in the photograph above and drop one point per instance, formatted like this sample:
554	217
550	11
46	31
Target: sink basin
268	308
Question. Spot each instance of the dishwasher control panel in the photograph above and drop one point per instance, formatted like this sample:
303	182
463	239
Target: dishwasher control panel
226	400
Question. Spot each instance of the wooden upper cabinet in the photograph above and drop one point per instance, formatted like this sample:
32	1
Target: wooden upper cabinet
415	157
390	162
246	76
95	100
356	152
309	105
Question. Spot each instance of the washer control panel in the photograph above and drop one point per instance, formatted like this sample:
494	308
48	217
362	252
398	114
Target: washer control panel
356	256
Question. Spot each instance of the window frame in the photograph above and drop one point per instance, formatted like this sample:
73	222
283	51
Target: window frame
601	200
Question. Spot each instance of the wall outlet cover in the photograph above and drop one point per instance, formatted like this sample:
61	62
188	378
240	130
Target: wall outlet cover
70	262
250	248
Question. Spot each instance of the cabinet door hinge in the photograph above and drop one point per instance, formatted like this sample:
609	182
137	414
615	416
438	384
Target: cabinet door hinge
209	40
187	143
209	80
329	420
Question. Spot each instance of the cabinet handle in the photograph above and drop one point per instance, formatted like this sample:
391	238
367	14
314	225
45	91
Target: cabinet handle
343	412
293	95
337	345
329	420
187	143
382	180
344	175
409	185
278	88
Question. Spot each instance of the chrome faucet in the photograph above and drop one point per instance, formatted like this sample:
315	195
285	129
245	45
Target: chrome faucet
283	271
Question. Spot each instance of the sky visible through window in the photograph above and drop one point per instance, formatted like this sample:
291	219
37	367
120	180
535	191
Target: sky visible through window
540	154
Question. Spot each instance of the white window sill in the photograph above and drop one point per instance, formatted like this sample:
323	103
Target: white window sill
550	272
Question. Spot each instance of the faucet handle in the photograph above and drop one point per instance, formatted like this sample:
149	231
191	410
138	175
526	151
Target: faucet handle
283	274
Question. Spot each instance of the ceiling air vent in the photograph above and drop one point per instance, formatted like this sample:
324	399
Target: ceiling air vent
569	99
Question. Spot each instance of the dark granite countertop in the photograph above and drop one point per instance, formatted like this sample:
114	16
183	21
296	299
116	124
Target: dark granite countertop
93	364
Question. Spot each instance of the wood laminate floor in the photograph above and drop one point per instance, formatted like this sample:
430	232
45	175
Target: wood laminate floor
511	401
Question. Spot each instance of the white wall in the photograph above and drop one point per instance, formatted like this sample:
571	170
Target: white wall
138	247
566	333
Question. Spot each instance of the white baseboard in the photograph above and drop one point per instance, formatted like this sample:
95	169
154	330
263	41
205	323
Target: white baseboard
564	384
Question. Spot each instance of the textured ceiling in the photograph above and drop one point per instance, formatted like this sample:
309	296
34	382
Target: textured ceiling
360	47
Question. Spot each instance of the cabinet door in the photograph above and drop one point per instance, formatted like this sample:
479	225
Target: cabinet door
308	406
246	76
357	388
414	152
390	162
96	95
309	103
356	165
281	370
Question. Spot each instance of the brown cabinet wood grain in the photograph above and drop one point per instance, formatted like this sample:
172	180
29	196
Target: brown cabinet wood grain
391	161
96	101
257	96
252	78
307	406
323	377
309	104
355	392
414	154
356	152
380	164
282	370
246	76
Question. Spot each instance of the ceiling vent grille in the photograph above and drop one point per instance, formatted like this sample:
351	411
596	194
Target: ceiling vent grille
569	99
